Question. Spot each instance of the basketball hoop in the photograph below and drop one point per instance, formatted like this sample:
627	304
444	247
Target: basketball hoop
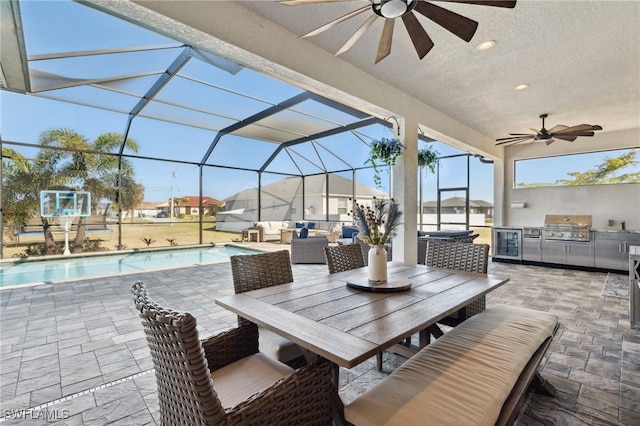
65	206
65	220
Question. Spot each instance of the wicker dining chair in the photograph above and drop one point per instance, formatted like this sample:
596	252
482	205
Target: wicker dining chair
224	380
256	271
461	257
422	244
344	257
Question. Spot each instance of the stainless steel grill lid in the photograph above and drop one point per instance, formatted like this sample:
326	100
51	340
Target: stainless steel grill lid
573	221
567	227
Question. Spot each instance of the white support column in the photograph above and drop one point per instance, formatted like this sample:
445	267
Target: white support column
499	204
405	192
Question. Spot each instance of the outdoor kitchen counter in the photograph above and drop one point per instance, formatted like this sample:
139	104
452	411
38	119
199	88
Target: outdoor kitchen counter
604	249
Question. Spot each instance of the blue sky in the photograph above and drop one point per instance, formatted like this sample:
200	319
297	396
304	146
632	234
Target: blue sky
79	28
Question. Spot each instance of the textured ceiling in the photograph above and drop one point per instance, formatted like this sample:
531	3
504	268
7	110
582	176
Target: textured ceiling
580	58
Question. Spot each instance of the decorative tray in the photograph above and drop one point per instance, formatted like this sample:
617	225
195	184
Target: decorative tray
389	286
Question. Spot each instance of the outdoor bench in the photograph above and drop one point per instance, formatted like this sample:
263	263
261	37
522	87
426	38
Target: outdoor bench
475	374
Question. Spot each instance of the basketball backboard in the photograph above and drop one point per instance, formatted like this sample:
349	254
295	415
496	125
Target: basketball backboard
63	203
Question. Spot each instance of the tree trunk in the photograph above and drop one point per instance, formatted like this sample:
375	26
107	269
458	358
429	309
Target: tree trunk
49	242
78	243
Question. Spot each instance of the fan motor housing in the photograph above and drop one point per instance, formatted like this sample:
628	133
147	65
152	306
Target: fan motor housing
392	8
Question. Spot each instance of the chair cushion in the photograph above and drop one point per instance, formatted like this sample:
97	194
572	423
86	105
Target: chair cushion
239	380
348	231
278	347
462	378
304	232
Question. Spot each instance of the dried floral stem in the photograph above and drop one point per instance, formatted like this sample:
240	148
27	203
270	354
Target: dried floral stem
378	223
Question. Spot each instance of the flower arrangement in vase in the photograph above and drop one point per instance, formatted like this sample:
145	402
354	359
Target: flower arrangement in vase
377	224
385	150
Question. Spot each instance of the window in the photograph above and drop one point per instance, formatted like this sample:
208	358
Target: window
593	168
342	206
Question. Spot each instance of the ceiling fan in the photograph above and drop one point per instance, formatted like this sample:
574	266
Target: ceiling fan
548	136
457	24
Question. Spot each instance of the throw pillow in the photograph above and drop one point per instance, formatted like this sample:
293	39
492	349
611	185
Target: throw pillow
299	225
311	225
304	232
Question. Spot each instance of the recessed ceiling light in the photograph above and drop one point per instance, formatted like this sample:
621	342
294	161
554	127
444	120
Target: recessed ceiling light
487	44
521	86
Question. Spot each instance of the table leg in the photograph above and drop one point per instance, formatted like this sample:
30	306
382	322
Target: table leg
338	405
542	386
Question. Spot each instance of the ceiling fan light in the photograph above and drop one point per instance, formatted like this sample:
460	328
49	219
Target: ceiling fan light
521	86
394	8
486	44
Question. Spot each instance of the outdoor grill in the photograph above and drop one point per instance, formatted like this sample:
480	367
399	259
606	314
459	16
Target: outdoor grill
567	228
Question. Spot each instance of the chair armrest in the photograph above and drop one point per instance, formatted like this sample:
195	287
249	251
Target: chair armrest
230	346
302	397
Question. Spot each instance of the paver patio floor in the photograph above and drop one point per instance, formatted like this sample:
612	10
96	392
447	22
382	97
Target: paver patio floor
79	346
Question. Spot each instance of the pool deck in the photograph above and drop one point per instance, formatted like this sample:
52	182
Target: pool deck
76	351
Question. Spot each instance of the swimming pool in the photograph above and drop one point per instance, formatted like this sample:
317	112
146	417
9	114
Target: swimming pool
72	268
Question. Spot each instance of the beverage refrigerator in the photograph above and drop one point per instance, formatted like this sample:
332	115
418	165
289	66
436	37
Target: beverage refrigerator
507	243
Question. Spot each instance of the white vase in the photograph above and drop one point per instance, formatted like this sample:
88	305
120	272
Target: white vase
377	264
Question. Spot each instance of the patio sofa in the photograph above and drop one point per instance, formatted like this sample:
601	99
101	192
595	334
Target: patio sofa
270	230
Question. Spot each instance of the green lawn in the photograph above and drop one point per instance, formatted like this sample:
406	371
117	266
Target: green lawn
182	233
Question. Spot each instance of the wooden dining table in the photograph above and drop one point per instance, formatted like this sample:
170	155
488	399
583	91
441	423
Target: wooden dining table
347	326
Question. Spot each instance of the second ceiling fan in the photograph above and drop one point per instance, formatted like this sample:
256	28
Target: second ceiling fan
560	131
457	24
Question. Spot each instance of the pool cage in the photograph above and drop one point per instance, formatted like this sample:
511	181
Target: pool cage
160	131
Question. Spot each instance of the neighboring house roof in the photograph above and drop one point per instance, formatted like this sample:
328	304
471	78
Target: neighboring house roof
287	188
458	202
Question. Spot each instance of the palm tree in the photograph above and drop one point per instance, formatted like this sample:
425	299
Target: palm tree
178	201
99	171
17	209
24	182
67	161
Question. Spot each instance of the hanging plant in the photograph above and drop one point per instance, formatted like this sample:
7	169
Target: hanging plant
385	151
428	158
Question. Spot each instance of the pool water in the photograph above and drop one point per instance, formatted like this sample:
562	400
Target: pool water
74	268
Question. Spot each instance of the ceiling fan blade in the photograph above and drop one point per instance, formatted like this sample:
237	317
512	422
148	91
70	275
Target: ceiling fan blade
516	137
537	131
521	134
421	40
549	142
567	136
513	142
557	128
302	2
356	36
384	48
579	128
459	25
509	140
495	3
335	22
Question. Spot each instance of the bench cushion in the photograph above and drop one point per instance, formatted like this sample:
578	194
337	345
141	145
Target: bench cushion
463	378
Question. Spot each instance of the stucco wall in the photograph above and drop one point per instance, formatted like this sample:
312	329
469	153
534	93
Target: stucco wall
603	202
